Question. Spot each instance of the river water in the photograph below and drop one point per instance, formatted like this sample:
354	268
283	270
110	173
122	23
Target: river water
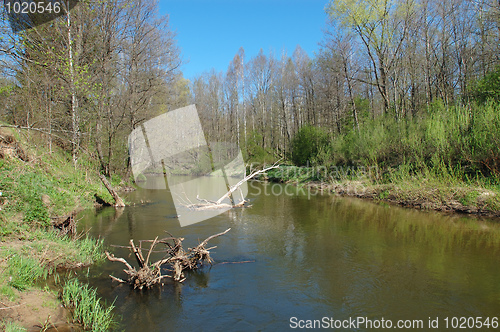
318	257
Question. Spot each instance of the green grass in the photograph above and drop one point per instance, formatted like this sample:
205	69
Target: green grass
8	292
39	194
46	185
86	306
446	155
23	271
34	190
84	251
40	254
12	327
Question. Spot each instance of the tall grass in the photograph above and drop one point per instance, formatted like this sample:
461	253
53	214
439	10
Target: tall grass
83	251
460	143
24	271
86	307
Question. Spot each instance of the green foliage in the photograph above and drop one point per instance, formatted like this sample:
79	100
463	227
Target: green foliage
362	106
297	174
48	186
308	144
482	140
457	142
469	198
384	194
487	88
86	307
255	152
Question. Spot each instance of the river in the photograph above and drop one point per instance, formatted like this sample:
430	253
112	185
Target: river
293	258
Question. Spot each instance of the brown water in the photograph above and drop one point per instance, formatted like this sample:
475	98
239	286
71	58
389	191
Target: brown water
313	257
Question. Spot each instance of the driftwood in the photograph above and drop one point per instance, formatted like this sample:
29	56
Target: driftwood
66	226
118	201
213	205
176	259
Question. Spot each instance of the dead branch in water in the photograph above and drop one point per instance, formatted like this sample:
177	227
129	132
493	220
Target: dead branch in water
212	205
176	259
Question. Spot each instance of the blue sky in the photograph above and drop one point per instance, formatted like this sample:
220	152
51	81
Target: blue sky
210	32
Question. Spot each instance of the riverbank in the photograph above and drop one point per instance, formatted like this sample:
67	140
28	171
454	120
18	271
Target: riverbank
39	188
396	186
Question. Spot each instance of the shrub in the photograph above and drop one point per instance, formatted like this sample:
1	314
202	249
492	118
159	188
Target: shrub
307	144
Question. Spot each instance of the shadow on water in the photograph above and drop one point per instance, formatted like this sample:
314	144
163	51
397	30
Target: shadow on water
308	257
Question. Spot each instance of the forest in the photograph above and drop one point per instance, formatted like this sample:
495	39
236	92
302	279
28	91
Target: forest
408	88
413	82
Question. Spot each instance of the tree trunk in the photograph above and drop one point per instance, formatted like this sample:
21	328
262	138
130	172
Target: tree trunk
118	201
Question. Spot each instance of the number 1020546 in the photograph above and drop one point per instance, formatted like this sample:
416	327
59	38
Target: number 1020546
32	7
471	322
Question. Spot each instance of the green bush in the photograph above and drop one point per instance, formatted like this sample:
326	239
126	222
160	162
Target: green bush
307	144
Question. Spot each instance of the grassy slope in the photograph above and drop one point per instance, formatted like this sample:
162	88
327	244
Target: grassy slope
37	186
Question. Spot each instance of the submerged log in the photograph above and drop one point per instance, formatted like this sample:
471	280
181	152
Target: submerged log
176	259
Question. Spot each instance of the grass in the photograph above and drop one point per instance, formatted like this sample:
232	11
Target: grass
33	190
23	271
40	190
13	327
446	158
86	306
8	292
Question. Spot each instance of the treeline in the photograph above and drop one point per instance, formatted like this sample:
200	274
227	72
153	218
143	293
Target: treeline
382	67
92	75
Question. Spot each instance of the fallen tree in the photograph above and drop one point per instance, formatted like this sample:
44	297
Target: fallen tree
206	204
176	260
118	201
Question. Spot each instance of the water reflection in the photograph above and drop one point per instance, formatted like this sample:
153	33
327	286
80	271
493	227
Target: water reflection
324	256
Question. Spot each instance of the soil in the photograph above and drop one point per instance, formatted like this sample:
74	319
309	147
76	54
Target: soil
34	310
